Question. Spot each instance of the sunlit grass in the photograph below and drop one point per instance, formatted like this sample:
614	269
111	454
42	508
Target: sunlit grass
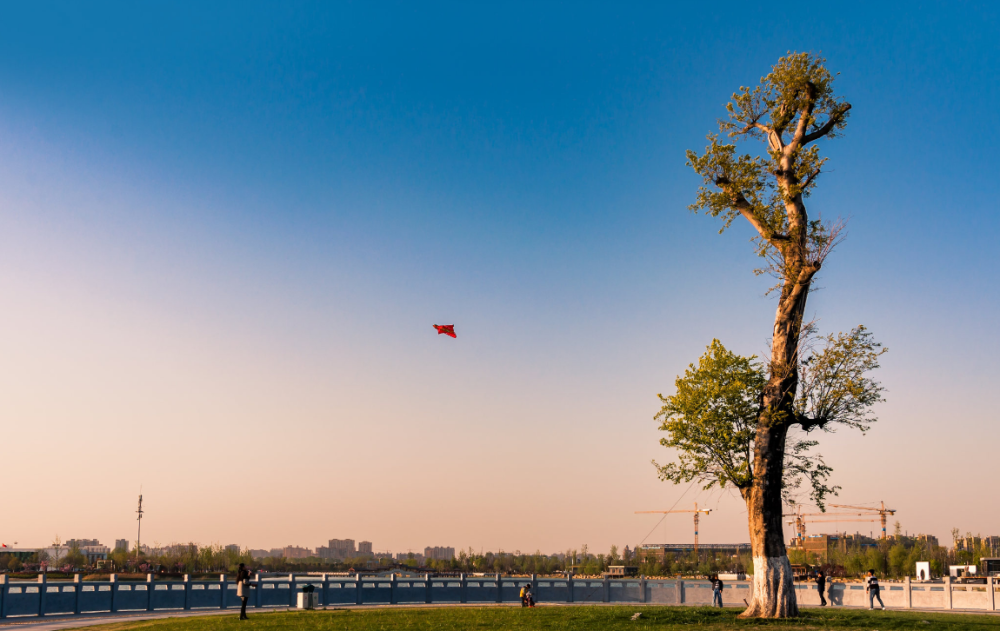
577	618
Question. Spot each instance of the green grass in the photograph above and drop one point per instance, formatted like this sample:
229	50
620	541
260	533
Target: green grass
578	618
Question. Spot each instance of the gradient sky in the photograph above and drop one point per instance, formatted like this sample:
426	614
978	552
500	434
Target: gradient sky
226	230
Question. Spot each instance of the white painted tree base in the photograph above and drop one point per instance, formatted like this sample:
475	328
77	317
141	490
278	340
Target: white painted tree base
773	589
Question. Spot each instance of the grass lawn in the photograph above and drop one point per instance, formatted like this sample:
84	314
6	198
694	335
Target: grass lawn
579	618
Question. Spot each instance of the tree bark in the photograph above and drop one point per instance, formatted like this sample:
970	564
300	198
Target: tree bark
773	589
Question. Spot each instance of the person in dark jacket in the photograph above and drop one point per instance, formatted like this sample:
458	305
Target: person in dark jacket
821	587
871	586
243	589
716	590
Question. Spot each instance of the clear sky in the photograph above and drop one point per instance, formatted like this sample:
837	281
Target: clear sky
227	228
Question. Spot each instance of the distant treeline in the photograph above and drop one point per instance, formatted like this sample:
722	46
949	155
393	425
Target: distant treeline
894	558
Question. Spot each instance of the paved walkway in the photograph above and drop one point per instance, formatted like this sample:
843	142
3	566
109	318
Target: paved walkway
55	623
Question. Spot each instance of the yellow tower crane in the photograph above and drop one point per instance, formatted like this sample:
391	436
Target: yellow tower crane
882	511
800	519
697	511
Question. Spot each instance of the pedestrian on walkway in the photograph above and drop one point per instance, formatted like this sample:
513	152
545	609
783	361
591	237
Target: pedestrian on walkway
529	595
821	587
871	586
243	589
524	597
716	590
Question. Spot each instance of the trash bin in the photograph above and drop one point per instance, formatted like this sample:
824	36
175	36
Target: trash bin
308	598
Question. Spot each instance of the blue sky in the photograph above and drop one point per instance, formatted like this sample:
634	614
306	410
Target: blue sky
229	227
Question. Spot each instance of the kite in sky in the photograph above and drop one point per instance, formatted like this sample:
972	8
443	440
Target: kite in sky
445	329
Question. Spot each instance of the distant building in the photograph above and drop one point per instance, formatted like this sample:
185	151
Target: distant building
989	544
295	552
993	544
341	548
621	571
439	553
90	548
407	556
121	544
233	548
928	540
818	547
95	553
365	548
659	551
22	554
260	554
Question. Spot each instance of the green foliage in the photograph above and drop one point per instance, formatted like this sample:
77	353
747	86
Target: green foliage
834	386
710	419
74	558
10	562
793	106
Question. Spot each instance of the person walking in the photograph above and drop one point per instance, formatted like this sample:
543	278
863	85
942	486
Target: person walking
524	596
243	589
716	590
529	595
871	586
821	587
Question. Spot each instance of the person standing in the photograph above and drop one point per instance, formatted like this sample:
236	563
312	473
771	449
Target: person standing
524	597
243	589
529	595
871	586
821	587
716	590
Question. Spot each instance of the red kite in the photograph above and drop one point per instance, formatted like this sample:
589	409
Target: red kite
445	329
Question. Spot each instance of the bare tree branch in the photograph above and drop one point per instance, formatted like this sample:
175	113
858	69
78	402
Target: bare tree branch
835	118
804	115
745	208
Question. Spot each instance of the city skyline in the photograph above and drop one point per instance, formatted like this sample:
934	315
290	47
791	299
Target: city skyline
227	231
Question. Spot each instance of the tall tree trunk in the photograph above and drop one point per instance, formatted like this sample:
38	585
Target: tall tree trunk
773	588
773	591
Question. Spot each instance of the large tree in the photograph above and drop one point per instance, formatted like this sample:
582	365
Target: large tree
789	112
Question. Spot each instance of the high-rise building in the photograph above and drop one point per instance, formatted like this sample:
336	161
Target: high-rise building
928	540
233	548
365	548
993	544
439	553
342	548
121	544
295	552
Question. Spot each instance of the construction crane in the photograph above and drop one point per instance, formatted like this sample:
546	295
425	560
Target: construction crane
138	533
800	522
882	511
802	532
697	512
